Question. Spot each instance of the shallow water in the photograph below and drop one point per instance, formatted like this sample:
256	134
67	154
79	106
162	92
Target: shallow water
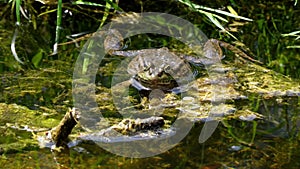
35	96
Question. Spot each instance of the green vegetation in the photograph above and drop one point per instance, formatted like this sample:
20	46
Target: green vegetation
265	28
41	40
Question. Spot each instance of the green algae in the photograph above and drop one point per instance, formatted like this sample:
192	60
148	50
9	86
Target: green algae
21	115
33	88
17	125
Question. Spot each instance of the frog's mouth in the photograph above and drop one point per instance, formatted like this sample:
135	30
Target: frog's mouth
163	81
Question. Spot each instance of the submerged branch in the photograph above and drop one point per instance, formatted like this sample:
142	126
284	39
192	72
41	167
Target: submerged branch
61	132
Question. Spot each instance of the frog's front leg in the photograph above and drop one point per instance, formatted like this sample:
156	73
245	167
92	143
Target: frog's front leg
144	52
131	53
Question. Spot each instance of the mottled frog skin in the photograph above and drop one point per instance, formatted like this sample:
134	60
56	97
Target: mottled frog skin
161	68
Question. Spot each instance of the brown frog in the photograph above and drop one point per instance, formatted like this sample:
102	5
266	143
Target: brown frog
163	69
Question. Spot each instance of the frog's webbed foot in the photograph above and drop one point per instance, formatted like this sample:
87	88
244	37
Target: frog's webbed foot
180	89
141	52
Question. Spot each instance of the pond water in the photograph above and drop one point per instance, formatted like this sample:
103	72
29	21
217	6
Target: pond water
259	125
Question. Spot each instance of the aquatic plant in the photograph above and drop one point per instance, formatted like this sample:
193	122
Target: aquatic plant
295	34
213	17
263	33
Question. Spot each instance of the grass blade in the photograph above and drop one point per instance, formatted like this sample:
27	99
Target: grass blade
292	33
214	17
58	26
13	45
106	13
87	3
218	24
18	5
195	6
13	41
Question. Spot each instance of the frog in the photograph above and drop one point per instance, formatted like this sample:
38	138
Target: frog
161	68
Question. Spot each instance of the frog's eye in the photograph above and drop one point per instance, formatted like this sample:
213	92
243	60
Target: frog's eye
125	121
167	68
